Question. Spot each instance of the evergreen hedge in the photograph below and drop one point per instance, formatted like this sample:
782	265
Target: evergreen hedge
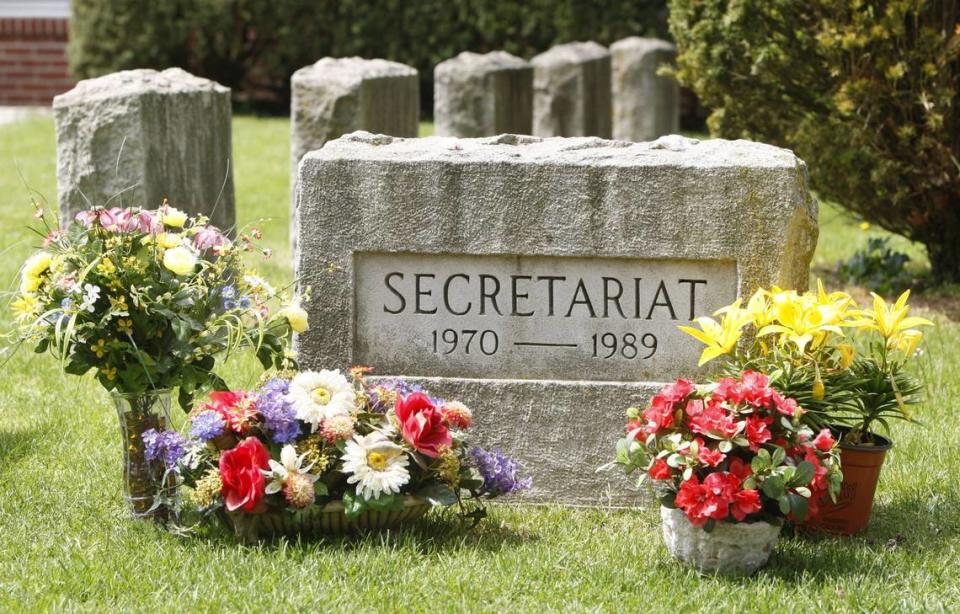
253	46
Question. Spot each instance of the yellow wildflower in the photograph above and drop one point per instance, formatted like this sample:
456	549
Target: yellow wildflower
207	490
864	225
99	348
110	373
118	303
106	267
125	326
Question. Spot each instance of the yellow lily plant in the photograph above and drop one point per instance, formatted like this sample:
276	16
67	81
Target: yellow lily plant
818	346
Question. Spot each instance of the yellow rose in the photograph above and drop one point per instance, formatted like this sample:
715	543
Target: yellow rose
173	217
180	260
166	240
296	316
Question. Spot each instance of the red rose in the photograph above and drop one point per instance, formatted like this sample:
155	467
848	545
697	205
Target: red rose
660	470
824	441
422	424
242	481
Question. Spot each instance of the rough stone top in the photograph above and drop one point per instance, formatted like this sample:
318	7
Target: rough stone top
642	44
470	61
673	150
571	53
137	82
351	69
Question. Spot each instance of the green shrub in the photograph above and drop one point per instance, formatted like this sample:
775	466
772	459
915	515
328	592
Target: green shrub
878	267
865	92
253	46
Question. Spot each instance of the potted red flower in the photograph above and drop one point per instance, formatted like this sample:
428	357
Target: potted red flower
729	462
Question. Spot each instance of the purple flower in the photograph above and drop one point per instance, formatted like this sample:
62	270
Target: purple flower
499	472
279	417
168	446
207	425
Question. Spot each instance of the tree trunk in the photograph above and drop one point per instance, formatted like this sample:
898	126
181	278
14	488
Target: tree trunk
942	238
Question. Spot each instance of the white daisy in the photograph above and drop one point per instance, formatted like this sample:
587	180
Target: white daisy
318	395
376	465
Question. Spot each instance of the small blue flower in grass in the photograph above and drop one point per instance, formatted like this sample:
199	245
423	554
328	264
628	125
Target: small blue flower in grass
229	304
499	472
167	446
207	425
228	292
244	302
279	416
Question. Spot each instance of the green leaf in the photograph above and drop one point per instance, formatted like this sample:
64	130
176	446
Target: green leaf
778	456
438	493
725	446
799	506
784	503
804	474
353	505
385	503
773	487
320	489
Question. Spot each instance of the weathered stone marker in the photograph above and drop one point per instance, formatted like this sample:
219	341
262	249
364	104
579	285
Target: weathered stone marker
541	280
571	91
335	96
483	95
138	136
645	105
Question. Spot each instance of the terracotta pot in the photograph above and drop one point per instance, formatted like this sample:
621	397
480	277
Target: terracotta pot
735	548
861	471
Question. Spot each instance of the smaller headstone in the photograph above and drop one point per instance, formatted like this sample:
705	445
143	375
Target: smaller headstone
645	105
571	85
336	96
483	95
135	137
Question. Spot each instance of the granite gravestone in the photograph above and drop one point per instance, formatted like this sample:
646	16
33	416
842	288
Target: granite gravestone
334	96
138	136
541	281
571	91
483	95
646	105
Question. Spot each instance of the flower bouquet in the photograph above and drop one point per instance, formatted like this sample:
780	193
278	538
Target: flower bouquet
848	366
147	301
318	452
729	462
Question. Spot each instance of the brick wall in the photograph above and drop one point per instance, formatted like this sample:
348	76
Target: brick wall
33	60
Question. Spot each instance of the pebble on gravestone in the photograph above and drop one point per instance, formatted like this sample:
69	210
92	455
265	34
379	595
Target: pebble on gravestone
335	96
541	281
135	137
571	91
483	95
645	105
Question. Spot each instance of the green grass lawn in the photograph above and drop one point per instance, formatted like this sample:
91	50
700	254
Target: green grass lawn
66	542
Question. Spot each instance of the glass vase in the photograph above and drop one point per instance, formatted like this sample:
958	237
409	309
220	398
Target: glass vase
150	491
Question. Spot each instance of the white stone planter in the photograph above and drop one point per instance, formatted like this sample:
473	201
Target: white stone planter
730	548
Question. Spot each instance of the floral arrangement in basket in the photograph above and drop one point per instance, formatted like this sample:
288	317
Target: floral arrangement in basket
847	365
148	300
733	451
323	451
